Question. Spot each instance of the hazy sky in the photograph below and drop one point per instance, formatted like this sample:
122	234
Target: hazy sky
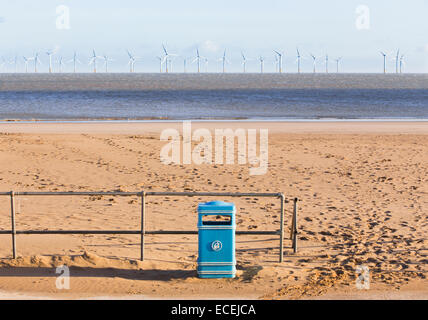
330	27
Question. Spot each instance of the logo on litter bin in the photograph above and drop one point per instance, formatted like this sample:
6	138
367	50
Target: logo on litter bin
216	245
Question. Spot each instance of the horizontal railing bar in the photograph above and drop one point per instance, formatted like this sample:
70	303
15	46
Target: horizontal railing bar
73	193
186	194
213	194
138	232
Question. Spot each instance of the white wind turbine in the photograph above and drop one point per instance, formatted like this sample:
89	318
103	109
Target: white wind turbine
26	61
185	64
166	57
298	60
93	60
75	61
206	64
262	63
224	61
2	64
401	62
397	60
36	61
160	63
50	55
337	63
106	61
61	63
198	60
279	54
326	63
244	62
14	61
384	61
315	61
132	61
276	63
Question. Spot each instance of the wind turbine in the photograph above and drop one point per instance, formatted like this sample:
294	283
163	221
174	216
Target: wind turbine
60	63
167	55
184	64
298	60
198	60
397	57
131	61
401	62
106	61
50	54
160	64
2	63
206	64
337	63
14	61
244	62
26	61
36	61
93	60
74	60
315	59
279	61
262	62
384	61
224	61
326	63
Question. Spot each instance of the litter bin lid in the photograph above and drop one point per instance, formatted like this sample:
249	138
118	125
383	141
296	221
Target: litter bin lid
216	205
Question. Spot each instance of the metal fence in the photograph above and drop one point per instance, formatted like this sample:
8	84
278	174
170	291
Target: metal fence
142	231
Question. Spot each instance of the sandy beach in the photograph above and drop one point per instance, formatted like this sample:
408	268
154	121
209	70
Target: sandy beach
362	186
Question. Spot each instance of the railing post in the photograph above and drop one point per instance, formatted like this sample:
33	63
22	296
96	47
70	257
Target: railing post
281	240
12	215
143	209
294	229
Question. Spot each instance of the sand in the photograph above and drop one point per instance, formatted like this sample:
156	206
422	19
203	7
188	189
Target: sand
363	197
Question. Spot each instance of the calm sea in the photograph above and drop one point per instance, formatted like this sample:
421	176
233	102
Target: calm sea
213	96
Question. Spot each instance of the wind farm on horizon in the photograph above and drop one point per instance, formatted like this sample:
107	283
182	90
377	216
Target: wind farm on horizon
54	62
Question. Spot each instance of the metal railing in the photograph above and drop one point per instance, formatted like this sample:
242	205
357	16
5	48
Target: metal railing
142	231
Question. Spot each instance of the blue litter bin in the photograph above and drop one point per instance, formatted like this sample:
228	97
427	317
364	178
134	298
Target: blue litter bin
216	233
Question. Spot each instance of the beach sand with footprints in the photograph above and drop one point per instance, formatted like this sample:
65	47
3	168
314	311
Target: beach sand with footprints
363	194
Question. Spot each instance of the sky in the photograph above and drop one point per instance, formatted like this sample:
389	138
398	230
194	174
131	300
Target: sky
354	30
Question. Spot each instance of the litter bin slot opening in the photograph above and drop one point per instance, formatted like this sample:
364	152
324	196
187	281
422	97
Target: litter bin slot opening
216	220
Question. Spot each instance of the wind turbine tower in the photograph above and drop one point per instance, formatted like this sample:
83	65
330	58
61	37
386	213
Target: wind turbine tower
94	60
315	61
279	61
165	59
298	60
26	61
198	60
106	61
36	61
401	62
397	59
244	62
337	63
262	62
74	60
50	54
224	61
326	63
384	61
